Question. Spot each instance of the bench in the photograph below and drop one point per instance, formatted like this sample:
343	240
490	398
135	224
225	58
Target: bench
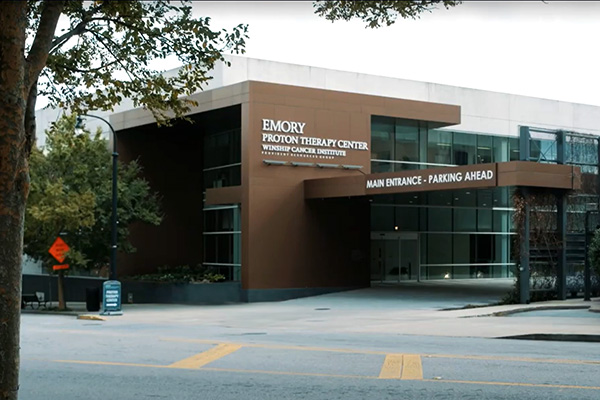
32	299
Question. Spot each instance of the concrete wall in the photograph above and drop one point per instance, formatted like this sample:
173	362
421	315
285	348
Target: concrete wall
482	111
74	286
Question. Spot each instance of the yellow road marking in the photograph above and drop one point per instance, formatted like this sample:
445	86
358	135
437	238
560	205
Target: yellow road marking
201	359
119	364
392	365
518	359
412	369
356	351
540	385
277	346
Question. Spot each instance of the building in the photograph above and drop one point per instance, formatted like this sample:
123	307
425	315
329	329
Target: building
297	180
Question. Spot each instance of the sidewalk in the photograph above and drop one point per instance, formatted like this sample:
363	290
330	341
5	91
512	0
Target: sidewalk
373	311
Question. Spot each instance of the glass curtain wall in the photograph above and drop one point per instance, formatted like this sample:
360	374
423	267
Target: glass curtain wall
462	233
222	224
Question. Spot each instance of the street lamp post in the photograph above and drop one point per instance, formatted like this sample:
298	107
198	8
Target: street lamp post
115	155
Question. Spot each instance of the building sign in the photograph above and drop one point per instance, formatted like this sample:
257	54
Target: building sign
434	179
286	138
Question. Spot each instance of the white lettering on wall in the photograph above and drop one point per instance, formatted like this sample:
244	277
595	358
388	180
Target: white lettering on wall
428	178
303	146
268	125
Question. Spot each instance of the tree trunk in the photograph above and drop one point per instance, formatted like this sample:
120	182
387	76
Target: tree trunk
14	187
17	76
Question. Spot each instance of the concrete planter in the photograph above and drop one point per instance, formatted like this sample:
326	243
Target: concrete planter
181	293
140	292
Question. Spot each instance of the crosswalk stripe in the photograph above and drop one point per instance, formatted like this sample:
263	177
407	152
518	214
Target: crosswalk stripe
201	359
412	368
392	366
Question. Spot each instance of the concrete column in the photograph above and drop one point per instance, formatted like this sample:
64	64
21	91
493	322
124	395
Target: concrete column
524	143
561	147
561	231
524	252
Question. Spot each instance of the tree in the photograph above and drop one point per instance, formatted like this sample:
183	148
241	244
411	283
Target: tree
594	252
105	53
71	195
377	13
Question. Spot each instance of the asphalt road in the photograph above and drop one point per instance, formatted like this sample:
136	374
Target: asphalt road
254	351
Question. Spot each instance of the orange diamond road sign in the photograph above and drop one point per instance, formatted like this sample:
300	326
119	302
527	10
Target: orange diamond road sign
58	249
62	266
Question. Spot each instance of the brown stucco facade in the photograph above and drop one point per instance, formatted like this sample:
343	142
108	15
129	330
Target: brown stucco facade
291	243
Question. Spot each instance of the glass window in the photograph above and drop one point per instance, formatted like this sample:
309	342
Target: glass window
222	159
484	220
464	148
465	198
582	151
407	219
483	246
513	144
441	198
439	147
382	218
223	177
501	197
382	138
439	248
407	143
500	221
542	147
222	148
439	219
500	149
465	220
484	149
485	197
462	249
502	250
219	248
219	220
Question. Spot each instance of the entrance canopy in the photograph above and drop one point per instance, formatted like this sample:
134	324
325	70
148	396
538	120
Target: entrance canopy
512	173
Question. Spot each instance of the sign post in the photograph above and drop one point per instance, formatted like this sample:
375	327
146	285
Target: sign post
59	250
111	298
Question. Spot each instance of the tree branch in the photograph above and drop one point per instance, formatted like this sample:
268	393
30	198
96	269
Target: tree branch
36	59
100	39
79	28
59	41
87	71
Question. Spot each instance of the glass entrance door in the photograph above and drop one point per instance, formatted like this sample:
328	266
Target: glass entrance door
385	259
409	259
394	257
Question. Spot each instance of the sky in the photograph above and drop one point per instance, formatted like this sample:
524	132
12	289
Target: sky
541	49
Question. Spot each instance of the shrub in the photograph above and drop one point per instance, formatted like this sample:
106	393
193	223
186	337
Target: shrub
181	274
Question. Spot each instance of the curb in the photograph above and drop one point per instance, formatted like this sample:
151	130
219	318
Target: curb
527	309
556	337
540	308
70	313
91	317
